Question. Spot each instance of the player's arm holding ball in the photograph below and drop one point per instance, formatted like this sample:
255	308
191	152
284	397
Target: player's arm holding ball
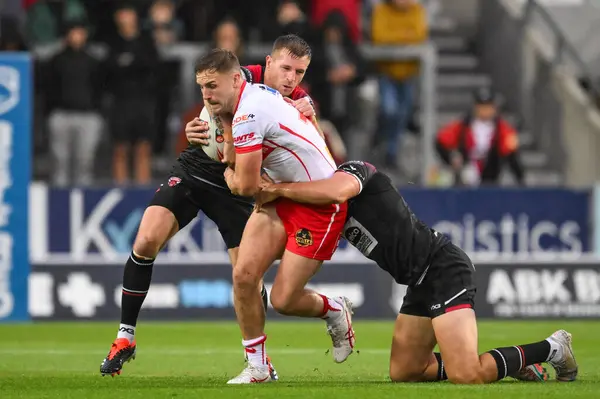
197	130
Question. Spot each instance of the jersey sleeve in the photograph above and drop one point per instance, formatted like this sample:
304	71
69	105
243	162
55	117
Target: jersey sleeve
362	171
248	130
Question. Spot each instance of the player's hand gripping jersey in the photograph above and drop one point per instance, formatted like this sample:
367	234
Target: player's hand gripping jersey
292	151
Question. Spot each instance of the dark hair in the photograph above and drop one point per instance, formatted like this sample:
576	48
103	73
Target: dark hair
217	60
294	44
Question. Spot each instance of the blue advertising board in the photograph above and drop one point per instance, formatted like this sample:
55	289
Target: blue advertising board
78	223
508	221
15	173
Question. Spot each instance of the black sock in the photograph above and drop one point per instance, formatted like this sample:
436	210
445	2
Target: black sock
265	297
441	374
511	359
535	353
136	282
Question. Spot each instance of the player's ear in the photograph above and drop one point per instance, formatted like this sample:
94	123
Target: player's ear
269	60
237	79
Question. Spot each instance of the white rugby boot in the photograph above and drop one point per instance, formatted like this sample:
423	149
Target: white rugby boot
340	330
253	375
563	359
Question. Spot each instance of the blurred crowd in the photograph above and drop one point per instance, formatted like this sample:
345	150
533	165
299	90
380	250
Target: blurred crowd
116	117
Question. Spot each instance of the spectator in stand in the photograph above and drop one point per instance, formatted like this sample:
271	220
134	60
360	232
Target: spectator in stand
163	24
290	20
226	36
350	9
338	68
166	30
75	123
399	23
132	67
477	146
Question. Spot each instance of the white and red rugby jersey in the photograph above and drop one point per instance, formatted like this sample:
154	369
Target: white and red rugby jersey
292	149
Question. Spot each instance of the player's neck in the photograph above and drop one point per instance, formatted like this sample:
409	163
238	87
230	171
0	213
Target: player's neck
238	97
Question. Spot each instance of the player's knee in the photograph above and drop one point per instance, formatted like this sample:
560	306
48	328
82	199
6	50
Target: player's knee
244	277
147	244
465	375
406	373
281	303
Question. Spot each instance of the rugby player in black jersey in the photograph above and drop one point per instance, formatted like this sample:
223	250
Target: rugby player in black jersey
197	183
439	302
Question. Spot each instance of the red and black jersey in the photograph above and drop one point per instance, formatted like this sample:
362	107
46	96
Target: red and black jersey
256	74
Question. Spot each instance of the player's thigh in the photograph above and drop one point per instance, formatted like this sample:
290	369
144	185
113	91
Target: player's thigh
293	274
413	339
456	334
229	212
262	241
412	347
168	211
451	282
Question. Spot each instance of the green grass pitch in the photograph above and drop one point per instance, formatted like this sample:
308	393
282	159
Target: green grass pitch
181	360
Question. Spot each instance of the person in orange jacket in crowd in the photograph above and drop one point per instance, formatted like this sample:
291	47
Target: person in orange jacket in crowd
477	146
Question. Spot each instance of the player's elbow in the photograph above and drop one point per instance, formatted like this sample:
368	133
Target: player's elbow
339	198
247	190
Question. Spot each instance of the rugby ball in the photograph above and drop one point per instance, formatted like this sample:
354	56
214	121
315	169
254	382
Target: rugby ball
216	141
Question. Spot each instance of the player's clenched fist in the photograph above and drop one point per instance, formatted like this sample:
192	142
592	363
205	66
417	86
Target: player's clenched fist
196	132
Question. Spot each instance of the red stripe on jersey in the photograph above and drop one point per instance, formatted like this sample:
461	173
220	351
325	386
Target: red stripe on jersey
250	148
290	131
237	104
294	154
267	151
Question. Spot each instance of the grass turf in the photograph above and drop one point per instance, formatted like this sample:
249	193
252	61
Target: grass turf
179	360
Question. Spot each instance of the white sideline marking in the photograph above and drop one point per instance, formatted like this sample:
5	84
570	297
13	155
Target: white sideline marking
178	352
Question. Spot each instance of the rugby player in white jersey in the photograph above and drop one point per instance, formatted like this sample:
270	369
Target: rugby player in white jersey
270	134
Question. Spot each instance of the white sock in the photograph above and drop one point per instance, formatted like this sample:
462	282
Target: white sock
255	349
556	350
331	309
126	331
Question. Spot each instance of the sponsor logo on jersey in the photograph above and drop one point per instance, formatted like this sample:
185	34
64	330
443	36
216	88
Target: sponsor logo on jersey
240	120
359	236
173	181
304	238
244	138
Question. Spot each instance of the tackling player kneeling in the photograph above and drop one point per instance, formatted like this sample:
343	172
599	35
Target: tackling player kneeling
271	134
439	302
